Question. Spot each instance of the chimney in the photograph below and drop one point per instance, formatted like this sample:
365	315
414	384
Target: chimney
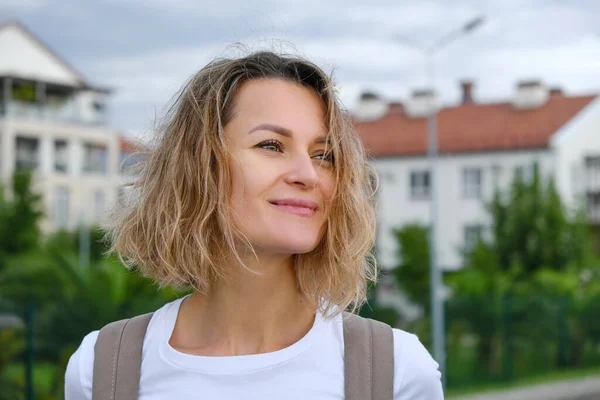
421	103
467	91
556	91
396	107
530	94
370	107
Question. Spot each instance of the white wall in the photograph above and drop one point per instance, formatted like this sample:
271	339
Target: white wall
80	185
7	152
84	106
23	57
3	145
576	140
396	208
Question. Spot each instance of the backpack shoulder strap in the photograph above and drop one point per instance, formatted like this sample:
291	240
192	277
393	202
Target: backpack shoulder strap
368	348
118	359
368	359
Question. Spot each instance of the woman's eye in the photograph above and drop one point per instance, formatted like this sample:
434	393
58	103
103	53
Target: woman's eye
272	145
328	156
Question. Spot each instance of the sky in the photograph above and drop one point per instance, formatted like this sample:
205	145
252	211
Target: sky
146	49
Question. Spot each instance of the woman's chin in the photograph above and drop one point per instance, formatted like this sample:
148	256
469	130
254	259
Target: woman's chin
296	247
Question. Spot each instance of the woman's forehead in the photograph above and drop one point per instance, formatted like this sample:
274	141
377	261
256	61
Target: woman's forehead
283	107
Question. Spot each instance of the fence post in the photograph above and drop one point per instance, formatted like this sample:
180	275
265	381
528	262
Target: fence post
563	333
507	361
29	351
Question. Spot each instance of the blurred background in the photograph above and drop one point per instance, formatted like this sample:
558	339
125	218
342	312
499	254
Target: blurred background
482	119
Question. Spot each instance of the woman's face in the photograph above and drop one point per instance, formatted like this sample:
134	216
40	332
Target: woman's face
282	177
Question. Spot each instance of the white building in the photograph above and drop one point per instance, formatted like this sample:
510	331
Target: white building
481	147
54	121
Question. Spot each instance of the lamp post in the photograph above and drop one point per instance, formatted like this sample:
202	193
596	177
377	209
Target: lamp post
436	278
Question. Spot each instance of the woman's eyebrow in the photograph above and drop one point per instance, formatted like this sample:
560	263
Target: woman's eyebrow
280	130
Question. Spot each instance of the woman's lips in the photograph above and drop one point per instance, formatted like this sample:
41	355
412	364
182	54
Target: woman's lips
300	207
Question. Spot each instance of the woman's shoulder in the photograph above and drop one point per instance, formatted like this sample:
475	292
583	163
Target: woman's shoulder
79	373
78	376
416	376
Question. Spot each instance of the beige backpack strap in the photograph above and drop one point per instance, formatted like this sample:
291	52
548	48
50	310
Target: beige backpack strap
118	359
368	359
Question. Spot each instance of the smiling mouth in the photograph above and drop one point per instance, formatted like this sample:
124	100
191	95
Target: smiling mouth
304	209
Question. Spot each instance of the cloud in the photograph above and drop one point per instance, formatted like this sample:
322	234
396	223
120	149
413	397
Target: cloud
21	5
147	49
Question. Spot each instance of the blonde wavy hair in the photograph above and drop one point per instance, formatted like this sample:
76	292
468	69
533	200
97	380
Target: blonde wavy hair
177	227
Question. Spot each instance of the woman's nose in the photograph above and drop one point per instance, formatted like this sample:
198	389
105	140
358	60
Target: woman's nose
302	172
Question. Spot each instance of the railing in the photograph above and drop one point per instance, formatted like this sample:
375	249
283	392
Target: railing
42	112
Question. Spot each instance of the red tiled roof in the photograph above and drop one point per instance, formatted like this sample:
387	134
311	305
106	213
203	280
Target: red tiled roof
471	127
128	146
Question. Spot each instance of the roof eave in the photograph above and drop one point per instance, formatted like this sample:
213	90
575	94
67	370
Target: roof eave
48	49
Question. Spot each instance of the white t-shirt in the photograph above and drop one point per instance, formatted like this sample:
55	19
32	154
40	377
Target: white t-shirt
312	368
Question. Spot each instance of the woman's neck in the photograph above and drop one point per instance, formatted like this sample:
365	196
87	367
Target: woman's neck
247	313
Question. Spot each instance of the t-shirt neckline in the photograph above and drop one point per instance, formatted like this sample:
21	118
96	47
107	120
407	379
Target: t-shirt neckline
228	365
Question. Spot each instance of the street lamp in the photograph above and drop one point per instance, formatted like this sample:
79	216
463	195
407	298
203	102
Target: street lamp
436	278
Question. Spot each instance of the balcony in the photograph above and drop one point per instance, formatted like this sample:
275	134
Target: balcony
65	114
29	100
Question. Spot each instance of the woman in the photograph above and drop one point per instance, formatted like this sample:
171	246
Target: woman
258	196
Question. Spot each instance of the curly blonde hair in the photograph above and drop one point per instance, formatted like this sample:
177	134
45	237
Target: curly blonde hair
177	229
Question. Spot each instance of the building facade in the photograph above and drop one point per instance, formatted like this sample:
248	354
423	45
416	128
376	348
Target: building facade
482	147
53	121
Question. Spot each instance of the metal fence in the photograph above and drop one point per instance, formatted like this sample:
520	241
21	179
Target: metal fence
489	340
501	339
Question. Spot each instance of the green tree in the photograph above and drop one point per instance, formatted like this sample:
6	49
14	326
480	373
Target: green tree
11	343
520	276
63	239
371	309
532	229
19	233
412	272
531	232
20	215
70	299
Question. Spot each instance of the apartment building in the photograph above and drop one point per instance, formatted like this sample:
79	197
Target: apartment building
481	149
54	121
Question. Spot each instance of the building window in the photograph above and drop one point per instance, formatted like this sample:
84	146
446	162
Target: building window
472	182
420	185
27	153
99	205
61	156
524	173
386	176
473	234
94	158
592	173
496	176
593	163
593	206
61	207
